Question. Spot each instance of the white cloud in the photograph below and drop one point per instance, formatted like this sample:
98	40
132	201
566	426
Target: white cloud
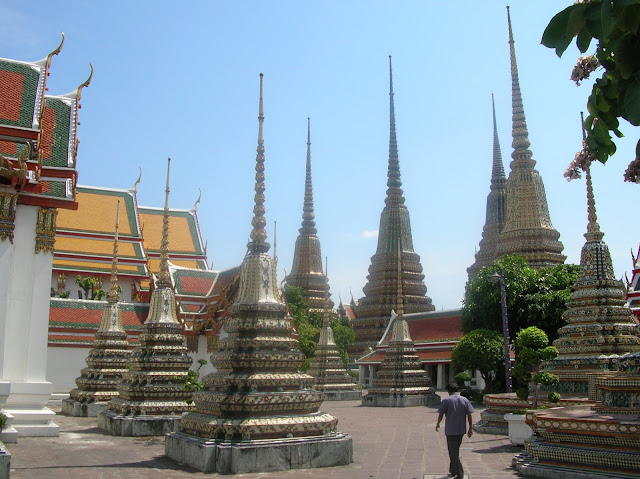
370	234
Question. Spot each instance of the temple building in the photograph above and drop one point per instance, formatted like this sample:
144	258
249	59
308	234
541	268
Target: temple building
306	271
381	291
107	360
600	326
495	211
257	412
38	159
527	226
82	249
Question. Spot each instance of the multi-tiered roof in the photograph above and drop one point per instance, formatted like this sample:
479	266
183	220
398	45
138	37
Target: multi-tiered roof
306	271
527	227
381	291
495	212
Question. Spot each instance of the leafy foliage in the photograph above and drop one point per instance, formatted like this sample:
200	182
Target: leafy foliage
616	94
3	421
89	286
462	377
308	327
482	350
533	350
534	297
192	379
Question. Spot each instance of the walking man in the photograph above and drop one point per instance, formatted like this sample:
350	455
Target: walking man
457	409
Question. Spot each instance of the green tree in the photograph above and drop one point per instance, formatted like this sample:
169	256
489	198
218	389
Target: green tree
533	349
88	285
534	297
481	350
616	94
308	326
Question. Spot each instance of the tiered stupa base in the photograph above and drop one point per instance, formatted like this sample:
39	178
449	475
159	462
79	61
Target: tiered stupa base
401	400
83	409
492	419
243	457
117	424
602	441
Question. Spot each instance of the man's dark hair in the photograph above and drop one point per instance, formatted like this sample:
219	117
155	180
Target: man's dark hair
451	388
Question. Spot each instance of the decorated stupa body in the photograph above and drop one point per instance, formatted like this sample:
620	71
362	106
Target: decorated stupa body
600	326
400	380
154	383
381	291
496	205
527	226
257	391
107	360
328	370
306	271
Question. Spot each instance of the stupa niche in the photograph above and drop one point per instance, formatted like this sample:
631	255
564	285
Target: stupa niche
107	360
527	227
257	412
306	271
151	395
374	309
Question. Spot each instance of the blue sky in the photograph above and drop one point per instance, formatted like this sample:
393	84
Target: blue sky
181	79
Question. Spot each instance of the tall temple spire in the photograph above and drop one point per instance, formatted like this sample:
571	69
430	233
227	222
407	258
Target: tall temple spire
527	228
308	216
401	381
495	209
600	326
520	133
164	277
306	271
256	392
107	359
394	184
258	243
152	386
373	311
112	296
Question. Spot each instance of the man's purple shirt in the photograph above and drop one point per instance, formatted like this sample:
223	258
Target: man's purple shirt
456	408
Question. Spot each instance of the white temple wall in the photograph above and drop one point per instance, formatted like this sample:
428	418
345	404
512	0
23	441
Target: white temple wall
202	354
64	366
26	316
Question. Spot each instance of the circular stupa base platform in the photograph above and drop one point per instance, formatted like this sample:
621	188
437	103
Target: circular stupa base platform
115	424
74	408
243	457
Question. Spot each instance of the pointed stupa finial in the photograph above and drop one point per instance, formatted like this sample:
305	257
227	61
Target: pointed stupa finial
258	243
519	132
498	177
593	228
112	296
394	183
400	297
164	278
308	215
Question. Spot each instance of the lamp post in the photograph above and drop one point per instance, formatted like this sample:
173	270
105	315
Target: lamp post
499	277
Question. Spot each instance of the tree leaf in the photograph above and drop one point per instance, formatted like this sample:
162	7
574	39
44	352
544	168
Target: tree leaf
632	104
608	18
601	132
584	40
555	35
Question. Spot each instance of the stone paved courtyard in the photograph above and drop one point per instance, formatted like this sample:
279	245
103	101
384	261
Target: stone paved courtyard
389	443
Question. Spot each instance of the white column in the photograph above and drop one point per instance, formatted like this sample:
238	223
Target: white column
452	373
26	317
440	378
361	374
